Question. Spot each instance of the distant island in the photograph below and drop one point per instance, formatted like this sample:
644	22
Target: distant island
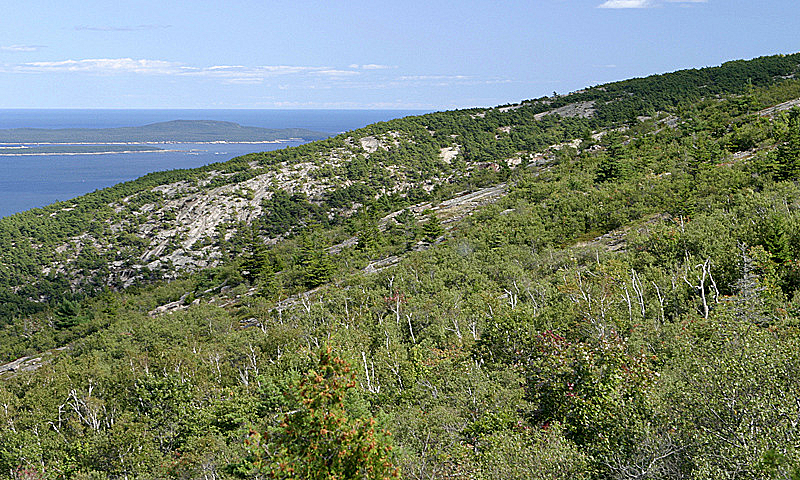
71	149
182	131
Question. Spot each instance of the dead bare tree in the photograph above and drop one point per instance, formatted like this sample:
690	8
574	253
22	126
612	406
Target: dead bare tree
593	299
90	410
372	385
705	275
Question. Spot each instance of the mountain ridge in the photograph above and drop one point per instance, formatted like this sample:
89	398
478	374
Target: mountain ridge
404	159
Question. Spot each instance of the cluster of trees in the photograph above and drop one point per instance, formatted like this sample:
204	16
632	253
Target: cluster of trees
624	101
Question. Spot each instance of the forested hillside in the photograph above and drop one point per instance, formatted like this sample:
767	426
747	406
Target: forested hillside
596	285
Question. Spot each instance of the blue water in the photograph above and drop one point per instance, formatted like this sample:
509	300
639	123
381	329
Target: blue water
330	121
35	181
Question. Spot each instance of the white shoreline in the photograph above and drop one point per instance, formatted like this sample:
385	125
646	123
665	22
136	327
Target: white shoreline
47	154
166	142
24	145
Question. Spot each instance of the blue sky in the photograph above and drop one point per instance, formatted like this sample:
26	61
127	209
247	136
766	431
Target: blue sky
363	54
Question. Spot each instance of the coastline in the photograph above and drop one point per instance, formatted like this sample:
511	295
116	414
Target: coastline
112	152
33	145
169	142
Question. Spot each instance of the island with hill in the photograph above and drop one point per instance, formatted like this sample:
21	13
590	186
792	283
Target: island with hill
176	131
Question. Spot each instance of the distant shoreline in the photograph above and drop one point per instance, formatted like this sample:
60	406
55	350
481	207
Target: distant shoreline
164	142
38	180
17	149
46	154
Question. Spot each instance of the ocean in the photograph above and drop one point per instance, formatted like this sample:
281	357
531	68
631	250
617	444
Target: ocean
35	181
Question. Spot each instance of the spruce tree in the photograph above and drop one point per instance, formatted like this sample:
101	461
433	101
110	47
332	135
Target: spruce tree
368	238
788	155
432	229
314	262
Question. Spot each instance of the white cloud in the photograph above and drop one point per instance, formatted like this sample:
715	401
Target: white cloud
434	77
287	69
242	72
102	66
21	48
244	81
110	28
229	74
397	104
371	66
368	76
332	72
642	3
224	67
625	4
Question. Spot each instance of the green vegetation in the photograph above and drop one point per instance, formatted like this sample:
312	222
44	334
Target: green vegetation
316	440
629	307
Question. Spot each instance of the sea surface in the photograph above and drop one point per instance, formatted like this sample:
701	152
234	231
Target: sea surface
35	181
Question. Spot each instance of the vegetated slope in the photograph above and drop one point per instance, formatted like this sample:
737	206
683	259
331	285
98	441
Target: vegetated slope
172	221
624	305
173	131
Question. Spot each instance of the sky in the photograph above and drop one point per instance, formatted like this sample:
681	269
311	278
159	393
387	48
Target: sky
358	54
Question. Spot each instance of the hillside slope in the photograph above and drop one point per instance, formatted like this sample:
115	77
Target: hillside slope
602	291
113	237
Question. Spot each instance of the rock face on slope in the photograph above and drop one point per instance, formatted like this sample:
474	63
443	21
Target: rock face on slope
182	225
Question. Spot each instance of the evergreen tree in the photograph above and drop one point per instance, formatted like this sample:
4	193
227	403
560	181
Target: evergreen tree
314	262
775	240
368	238
318	269
67	314
317	440
607	169
788	155
407	228
257	262
432	229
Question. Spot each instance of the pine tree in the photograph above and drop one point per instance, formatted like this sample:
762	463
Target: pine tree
776	241
315	263
257	262
432	229
368	238
788	154
67	314
607	169
407	226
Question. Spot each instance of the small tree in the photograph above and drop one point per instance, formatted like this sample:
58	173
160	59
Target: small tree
314	262
788	154
317	440
432	229
368	238
67	314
